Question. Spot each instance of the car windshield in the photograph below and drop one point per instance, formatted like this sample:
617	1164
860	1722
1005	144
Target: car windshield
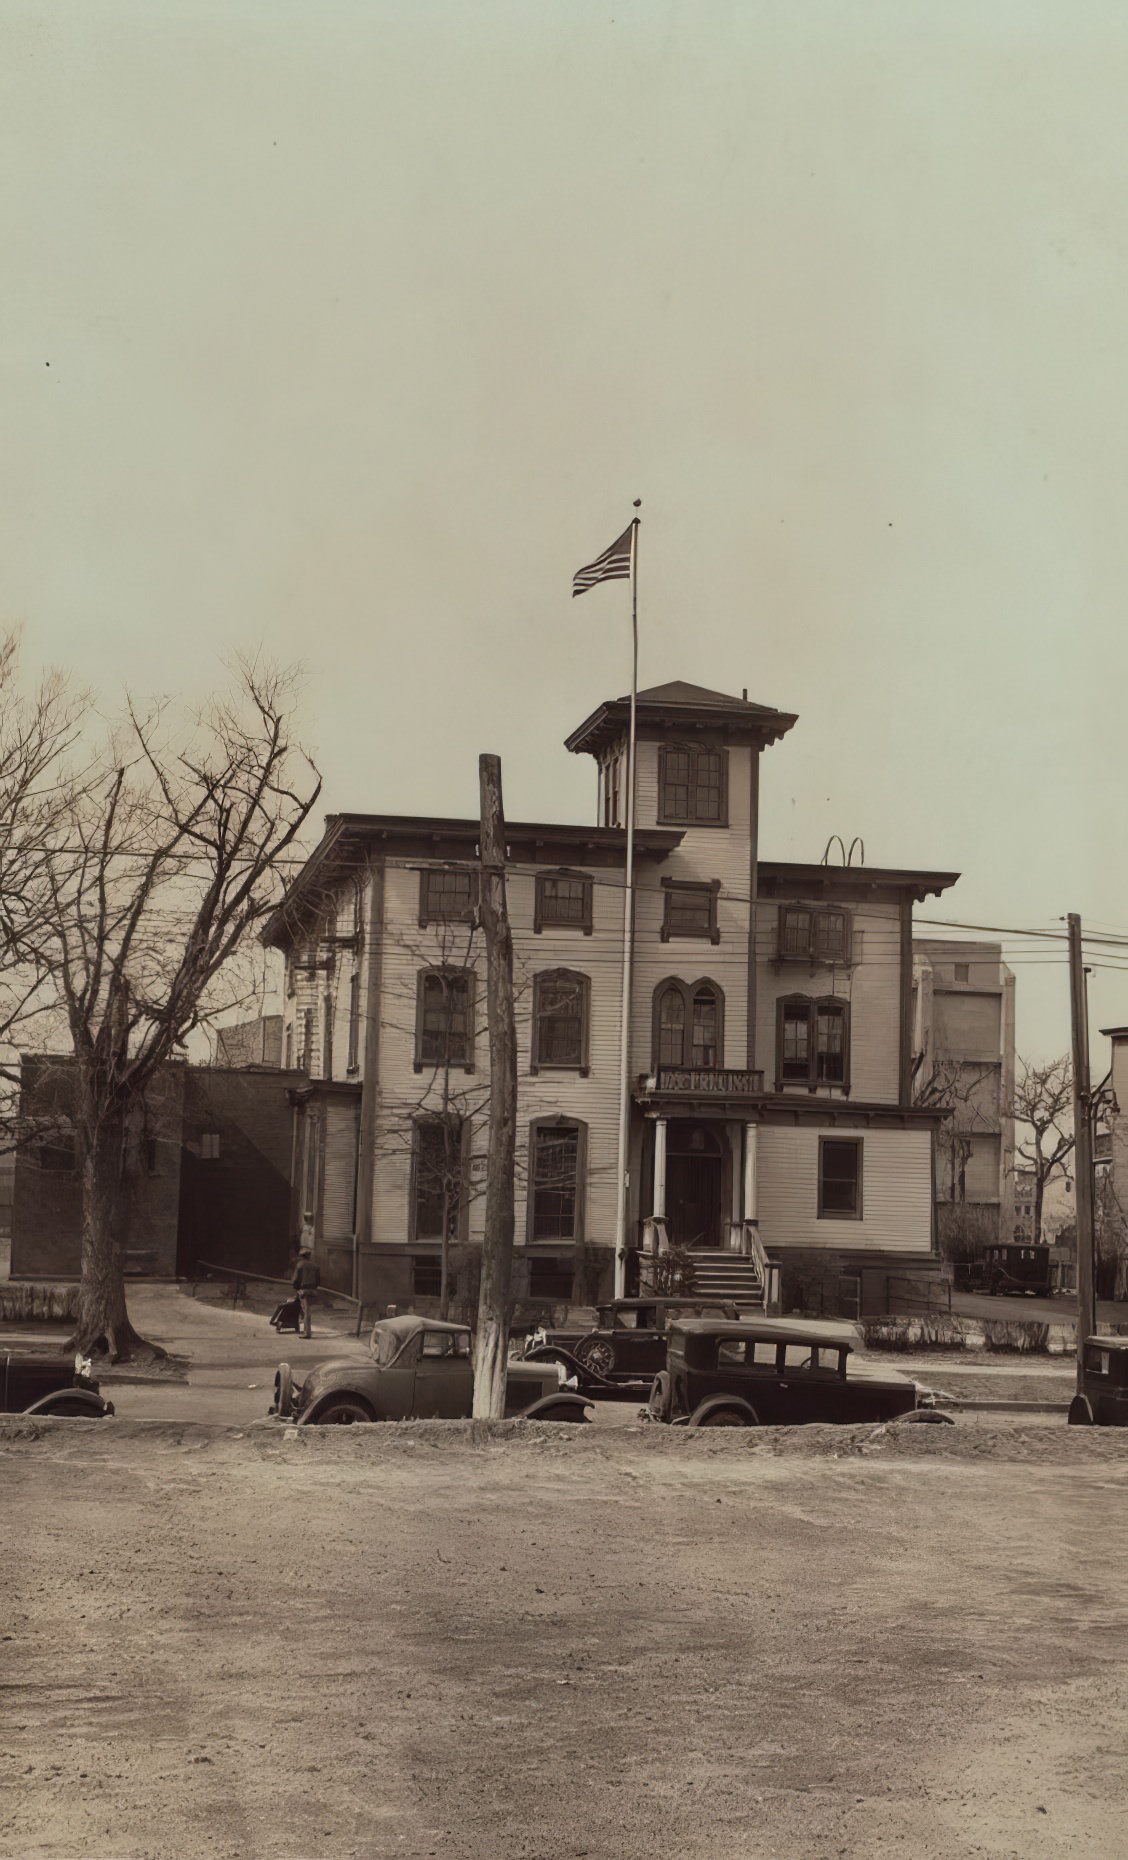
387	1342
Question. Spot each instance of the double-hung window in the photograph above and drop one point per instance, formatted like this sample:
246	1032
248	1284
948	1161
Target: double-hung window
691	910
436	1178
813	1042
444	1019
556	1163
840	1178
692	786
815	936
563	902
447	895
561	1000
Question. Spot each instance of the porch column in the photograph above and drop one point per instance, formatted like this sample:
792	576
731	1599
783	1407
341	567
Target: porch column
659	1198
751	1159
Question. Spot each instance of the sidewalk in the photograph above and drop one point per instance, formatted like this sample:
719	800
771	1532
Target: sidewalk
232	1356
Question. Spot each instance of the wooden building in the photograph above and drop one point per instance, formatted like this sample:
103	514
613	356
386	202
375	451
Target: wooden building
771	1031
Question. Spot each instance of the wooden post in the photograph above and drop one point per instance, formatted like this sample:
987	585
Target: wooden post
497	1245
1083	1143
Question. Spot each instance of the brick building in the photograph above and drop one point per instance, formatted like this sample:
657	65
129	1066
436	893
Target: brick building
211	1180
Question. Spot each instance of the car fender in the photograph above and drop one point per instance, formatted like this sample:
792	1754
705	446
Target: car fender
735	1402
565	1406
1080	1412
96	1405
326	1396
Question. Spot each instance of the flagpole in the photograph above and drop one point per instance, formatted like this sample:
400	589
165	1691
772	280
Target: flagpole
628	952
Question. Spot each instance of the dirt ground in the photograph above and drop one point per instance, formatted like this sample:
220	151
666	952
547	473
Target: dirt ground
546	1643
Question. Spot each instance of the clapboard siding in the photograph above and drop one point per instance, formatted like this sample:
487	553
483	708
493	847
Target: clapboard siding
594	1099
871	983
340	1169
896	1192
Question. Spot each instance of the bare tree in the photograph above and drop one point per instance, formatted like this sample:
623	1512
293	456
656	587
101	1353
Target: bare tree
165	863
38	730
1043	1105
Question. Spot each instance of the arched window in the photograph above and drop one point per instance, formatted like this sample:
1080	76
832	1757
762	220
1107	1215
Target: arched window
813	1042
556	1176
689	1024
561	1001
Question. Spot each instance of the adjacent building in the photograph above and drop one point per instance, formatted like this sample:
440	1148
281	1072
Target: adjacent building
210	1182
963	1041
771	1032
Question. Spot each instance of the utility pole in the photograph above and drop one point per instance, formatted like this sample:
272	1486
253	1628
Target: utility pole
1083	1142
497	1245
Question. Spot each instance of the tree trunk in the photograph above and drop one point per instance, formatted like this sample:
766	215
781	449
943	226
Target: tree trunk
491	1350
103	1323
444	1255
1039	1187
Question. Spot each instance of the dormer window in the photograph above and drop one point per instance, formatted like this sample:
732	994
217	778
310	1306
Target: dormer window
692	786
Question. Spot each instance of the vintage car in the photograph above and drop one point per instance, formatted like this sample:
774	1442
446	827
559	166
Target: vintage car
776	1372
1010	1268
628	1343
49	1382
417	1368
1102	1399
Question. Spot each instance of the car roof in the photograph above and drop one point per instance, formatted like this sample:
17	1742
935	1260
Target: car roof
410	1325
1109	1343
777	1329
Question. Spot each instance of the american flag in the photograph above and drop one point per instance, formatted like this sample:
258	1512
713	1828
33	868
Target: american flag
613	565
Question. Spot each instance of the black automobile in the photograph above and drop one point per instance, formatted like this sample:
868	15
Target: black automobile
417	1369
1009	1268
627	1346
776	1372
47	1382
1102	1399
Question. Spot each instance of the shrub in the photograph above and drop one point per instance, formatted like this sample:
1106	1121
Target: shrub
915	1333
671	1273
39	1304
889	1333
1023	1339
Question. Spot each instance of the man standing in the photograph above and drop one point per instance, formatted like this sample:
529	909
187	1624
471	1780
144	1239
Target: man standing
305	1282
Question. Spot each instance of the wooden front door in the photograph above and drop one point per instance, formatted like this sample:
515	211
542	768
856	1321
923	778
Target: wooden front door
695	1181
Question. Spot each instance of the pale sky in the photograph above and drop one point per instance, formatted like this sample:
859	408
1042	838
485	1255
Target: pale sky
351	330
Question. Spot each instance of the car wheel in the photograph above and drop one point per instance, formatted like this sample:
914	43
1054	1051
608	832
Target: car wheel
284	1391
595	1354
722	1417
658	1406
343	1411
925	1415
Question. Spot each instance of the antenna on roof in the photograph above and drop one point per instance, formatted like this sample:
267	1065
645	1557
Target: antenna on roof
847	857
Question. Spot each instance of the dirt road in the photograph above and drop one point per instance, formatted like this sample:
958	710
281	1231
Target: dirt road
398	1641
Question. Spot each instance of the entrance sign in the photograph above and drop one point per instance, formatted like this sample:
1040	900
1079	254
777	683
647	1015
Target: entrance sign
709	1081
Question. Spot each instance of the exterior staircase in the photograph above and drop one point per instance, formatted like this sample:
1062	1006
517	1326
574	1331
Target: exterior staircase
729	1278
